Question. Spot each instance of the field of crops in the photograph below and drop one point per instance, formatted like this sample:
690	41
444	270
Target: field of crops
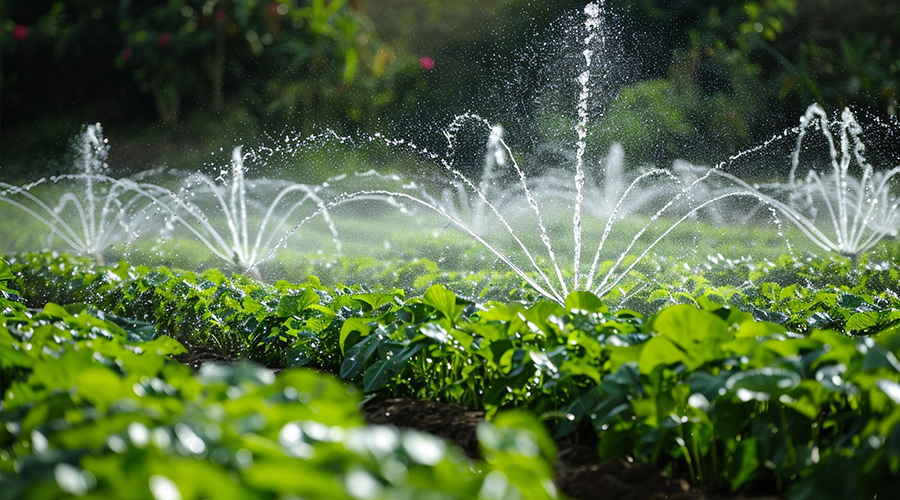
743	377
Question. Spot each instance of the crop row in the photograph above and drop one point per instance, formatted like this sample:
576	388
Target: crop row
92	408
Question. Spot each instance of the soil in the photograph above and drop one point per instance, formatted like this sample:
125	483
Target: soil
452	422
580	474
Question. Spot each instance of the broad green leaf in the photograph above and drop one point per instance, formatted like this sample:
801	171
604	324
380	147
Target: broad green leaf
620	355
758	329
686	324
891	388
55	311
771	316
832	378
464	338
877	357
380	373
707	384
360	326
762	384
585	301
543	363
375	300
850	301
291	304
540	314
357	356
138	331
743	465
692	336
512	362
625	381
862	321
6	273
788	292
606	410
435	332
821	321
660	351
443	300
163	346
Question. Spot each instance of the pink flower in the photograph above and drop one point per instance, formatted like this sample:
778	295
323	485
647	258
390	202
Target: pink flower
426	63
164	40
126	54
218	15
20	32
273	8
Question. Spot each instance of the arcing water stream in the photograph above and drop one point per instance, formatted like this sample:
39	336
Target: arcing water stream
506	218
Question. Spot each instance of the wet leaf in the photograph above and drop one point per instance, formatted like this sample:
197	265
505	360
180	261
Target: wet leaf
762	384
585	301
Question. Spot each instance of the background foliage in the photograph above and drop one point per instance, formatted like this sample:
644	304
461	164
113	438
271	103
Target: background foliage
201	70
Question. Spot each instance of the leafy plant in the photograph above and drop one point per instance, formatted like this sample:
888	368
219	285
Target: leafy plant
92	408
700	388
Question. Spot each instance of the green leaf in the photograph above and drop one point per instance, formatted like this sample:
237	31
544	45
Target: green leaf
891	388
374	300
360	326
850	301
443	300
138	331
862	321
686	324
832	378
351	57
380	373
821	321
585	301
762	384
6	273
512	362
435	332
543	363
877	357
517	432
292	304
660	351
758	329
55	311
770	316
685	334
358	355
743	465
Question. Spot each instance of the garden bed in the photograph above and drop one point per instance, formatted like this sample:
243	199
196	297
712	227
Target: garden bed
694	400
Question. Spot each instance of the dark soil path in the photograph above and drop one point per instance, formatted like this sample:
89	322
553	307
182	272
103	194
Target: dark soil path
579	473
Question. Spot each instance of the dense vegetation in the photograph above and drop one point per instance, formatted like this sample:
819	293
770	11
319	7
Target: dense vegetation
94	404
801	383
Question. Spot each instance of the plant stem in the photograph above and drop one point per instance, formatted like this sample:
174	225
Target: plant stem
687	455
787	437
